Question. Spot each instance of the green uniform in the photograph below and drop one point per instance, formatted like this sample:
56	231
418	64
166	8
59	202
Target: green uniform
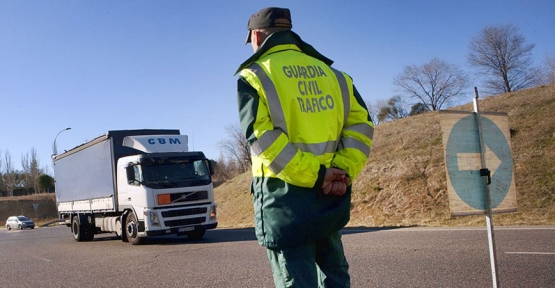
300	117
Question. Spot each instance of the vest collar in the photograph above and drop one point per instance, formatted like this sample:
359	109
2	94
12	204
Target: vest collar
280	38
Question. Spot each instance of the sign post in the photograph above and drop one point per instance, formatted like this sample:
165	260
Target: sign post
484	172
479	167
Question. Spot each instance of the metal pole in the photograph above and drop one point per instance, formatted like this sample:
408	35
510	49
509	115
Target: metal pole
489	220
54	148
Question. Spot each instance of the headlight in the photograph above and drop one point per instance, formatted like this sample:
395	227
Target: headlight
153	217
212	212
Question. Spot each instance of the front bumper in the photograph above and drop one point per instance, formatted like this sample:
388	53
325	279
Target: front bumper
179	230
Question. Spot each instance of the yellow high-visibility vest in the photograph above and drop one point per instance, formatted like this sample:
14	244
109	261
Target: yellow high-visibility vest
303	118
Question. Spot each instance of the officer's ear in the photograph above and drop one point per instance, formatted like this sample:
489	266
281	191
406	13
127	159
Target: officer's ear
258	37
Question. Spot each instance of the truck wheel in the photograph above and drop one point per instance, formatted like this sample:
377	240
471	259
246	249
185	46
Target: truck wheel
132	229
196	234
76	230
81	233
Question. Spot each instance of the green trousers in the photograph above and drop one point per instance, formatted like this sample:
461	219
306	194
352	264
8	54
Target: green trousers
318	264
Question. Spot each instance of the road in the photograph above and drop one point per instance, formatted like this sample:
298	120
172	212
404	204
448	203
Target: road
403	257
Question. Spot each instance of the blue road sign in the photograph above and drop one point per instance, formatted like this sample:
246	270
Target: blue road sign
466	181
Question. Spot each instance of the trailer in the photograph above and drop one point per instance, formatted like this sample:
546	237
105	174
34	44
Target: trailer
136	184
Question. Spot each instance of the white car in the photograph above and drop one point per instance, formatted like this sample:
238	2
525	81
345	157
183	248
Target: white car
19	222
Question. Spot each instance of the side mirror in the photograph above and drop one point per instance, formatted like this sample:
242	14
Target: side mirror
211	166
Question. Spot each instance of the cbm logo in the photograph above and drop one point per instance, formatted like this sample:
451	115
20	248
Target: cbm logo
163	141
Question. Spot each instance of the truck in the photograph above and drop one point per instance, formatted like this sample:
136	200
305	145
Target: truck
136	184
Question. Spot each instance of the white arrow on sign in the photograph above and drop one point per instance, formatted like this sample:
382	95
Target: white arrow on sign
471	161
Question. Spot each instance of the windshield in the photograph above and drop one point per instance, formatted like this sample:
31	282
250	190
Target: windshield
168	173
22	218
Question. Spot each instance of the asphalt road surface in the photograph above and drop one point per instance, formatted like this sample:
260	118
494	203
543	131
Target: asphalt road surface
404	257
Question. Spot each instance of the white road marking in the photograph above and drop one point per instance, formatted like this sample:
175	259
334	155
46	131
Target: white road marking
532	253
427	229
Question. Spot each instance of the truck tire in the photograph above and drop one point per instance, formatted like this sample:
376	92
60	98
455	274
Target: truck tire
76	230
81	233
196	234
132	229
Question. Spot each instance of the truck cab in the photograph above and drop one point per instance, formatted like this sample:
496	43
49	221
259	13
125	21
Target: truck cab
168	193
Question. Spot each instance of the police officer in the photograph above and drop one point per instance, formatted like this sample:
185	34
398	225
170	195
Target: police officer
310	135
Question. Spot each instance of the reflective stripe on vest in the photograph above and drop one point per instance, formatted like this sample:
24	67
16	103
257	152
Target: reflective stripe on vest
276	111
364	129
349	142
344	93
278	117
284	156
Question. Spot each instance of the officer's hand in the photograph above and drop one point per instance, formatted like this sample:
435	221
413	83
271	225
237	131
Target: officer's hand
335	181
338	188
332	174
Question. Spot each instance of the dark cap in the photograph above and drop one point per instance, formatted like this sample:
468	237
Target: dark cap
267	18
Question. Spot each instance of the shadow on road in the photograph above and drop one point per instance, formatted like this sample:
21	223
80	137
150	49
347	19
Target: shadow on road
212	236
222	235
362	229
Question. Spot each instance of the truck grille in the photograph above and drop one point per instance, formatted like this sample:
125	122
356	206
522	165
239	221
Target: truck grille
188	196
183	222
184	212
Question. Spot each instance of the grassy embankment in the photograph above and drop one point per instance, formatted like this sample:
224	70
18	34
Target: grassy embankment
404	182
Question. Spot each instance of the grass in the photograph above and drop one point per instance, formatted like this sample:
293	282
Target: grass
404	181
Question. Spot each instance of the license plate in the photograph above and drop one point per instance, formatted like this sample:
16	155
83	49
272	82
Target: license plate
185	229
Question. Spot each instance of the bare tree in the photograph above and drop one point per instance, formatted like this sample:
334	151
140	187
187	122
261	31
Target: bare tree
546	75
26	167
501	54
2	184
9	173
236	147
226	169
435	84
31	170
374	110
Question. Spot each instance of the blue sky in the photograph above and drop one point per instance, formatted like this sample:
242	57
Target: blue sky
103	65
